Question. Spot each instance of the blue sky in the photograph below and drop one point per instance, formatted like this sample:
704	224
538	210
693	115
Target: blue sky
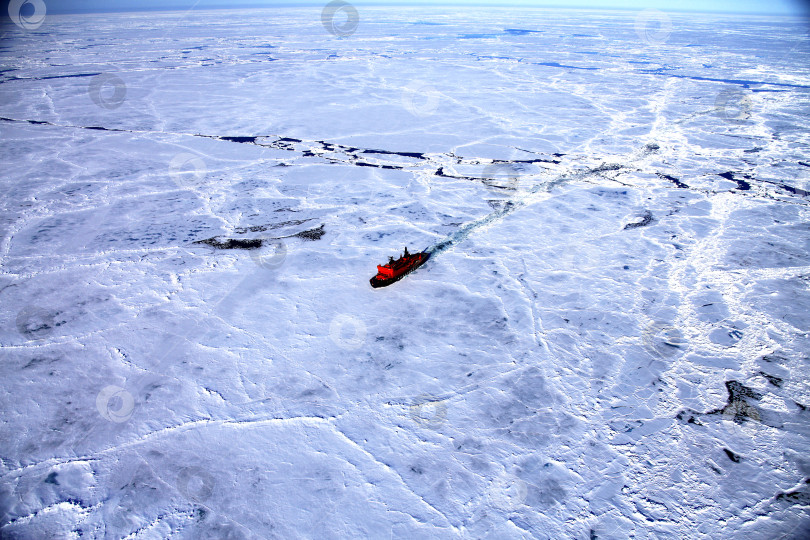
798	7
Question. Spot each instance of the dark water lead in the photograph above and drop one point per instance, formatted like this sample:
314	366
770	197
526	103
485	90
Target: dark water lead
646	219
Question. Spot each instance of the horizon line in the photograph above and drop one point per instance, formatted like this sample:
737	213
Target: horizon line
171	8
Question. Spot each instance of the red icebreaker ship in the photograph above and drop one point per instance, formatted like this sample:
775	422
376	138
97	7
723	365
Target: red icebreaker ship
397	269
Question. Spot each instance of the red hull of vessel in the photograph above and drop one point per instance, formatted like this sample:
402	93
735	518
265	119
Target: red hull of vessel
398	270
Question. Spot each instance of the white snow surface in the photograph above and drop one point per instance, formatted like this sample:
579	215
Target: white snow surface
550	373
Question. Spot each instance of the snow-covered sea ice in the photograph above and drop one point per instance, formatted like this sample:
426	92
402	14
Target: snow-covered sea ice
610	339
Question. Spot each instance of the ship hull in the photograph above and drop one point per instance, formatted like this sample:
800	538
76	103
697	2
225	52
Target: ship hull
382	281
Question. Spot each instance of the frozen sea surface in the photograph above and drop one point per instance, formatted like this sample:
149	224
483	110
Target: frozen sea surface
611	340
